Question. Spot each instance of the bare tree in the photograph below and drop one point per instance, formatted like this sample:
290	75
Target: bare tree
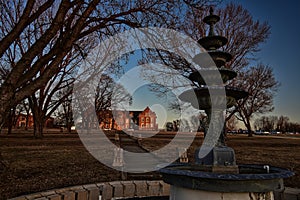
43	102
294	127
282	123
244	34
231	124
70	23
46	100
261	85
109	96
63	113
11	120
266	123
26	107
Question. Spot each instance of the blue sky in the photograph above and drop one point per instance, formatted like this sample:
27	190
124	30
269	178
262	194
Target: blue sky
282	50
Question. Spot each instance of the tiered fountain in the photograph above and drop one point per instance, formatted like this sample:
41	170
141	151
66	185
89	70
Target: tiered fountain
215	174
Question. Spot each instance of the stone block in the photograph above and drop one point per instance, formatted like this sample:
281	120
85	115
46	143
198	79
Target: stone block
94	193
153	188
291	194
164	189
118	190
47	193
69	195
82	194
33	196
89	186
100	186
19	198
73	188
278	195
107	191
141	188
129	188
55	197
42	198
62	190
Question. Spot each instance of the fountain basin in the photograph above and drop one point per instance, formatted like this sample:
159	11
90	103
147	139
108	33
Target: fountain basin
251	178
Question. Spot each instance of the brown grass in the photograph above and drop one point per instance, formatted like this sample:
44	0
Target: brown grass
52	162
60	160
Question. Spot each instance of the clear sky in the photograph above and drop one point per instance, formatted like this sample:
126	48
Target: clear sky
282	50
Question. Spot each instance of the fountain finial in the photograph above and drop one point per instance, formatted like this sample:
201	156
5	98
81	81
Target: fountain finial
211	10
213	41
211	20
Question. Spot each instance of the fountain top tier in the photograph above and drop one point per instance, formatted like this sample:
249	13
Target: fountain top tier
212	41
200	97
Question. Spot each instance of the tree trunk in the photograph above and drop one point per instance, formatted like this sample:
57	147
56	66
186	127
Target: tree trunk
27	121
38	123
4	111
8	101
38	127
9	123
248	126
2	163
69	127
9	128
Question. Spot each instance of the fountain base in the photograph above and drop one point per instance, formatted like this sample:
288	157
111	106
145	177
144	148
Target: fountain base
196	182
180	193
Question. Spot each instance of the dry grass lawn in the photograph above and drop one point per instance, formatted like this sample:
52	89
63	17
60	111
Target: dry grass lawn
60	160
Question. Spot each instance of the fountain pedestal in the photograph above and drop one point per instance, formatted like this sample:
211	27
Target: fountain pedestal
221	159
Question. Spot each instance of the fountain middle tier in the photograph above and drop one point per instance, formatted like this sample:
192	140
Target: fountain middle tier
212	76
219	58
212	42
200	97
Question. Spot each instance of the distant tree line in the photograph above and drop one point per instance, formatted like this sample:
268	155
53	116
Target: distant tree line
274	123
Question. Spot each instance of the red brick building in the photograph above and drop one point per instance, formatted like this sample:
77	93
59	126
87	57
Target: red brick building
147	120
120	120
21	121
